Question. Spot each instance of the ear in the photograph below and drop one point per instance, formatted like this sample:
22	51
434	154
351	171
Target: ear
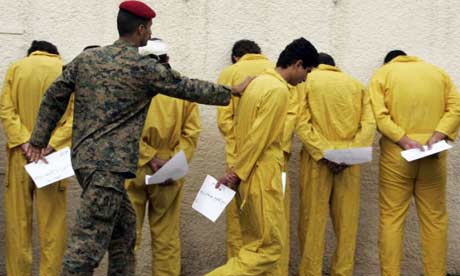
298	63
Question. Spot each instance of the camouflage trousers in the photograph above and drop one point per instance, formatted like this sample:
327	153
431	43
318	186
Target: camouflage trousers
105	222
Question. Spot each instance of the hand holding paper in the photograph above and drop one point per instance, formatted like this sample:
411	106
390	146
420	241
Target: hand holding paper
211	201
415	154
350	156
175	169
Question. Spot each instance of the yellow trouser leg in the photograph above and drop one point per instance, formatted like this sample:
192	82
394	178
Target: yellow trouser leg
315	192
233	239
345	218
430	199
262	223
399	180
164	213
284	261
51	214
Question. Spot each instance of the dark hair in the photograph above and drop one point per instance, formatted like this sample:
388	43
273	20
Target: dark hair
127	23
324	58
91	47
243	47
393	54
44	46
299	49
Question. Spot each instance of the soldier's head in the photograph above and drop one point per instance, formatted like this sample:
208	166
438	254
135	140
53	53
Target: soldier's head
156	48
297	60
134	22
44	46
243	47
327	59
392	55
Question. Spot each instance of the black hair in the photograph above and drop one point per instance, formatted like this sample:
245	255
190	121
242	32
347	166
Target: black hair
44	46
127	23
299	49
91	47
324	58
243	47
393	54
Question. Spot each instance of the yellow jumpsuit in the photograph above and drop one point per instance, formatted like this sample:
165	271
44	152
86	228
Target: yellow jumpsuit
25	84
335	113
259	163
411	97
248	65
171	125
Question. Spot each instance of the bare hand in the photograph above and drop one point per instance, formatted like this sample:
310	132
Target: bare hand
155	164
436	137
230	180
335	167
407	143
49	149
34	154
238	90
24	148
168	182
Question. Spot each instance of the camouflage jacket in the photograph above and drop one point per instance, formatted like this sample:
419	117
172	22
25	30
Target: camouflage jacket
113	88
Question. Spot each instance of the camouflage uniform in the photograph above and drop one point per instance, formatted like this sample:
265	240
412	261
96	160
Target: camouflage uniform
113	88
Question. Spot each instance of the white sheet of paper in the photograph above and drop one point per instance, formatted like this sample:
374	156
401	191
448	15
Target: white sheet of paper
414	154
211	202
58	168
352	156
284	181
175	169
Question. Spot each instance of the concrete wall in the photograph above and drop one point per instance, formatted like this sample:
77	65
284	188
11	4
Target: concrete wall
201	33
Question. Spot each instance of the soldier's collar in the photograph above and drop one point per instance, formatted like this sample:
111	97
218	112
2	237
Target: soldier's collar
124	43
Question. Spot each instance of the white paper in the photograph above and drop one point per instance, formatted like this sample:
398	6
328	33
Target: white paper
352	156
283	181
211	202
414	154
175	169
59	167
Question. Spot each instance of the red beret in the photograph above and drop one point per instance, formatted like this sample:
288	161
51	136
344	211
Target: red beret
138	8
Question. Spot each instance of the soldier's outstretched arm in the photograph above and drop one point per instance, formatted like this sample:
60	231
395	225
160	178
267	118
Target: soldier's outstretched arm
53	106
171	83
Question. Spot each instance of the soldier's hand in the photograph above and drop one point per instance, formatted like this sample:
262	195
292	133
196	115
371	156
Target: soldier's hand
436	137
238	90
49	149
156	163
34	154
407	143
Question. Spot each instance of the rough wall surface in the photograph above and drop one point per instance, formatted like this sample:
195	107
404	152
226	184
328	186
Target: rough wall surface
201	33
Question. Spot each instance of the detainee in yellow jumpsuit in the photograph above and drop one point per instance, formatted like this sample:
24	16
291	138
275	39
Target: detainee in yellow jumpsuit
171	125
335	114
248	61
415	103
259	129
23	88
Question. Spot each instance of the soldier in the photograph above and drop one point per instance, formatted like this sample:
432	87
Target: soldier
25	83
113	88
259	131
172	125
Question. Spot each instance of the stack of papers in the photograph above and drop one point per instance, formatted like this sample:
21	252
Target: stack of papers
351	156
175	169
415	154
58	168
211	202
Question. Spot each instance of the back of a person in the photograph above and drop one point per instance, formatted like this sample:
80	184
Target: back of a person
259	91
411	85
32	76
335	102
164	124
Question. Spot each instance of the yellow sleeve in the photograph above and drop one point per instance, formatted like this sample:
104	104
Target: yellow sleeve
225	117
291	120
366	132
191	128
16	133
311	138
146	151
449	123
385	123
266	128
62	135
